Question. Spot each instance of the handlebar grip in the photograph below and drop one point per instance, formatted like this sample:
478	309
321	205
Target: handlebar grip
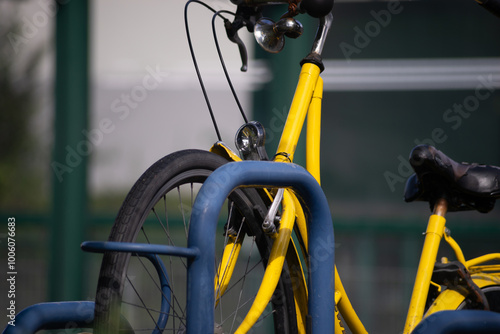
320	8
493	6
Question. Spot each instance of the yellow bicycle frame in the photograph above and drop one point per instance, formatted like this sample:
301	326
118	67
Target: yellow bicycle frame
449	299
433	235
307	102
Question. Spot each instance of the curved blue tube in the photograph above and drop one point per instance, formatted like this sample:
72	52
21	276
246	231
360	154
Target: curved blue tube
166	293
149	251
460	322
137	248
52	316
208	203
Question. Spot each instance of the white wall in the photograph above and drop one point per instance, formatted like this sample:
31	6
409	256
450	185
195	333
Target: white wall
129	40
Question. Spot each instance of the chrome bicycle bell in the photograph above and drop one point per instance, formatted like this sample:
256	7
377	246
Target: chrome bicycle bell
271	36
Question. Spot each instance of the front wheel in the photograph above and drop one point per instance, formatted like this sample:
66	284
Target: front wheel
150	293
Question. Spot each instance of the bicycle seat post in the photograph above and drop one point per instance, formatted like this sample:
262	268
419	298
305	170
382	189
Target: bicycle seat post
441	207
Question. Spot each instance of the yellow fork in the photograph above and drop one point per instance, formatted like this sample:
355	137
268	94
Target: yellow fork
226	266
274	266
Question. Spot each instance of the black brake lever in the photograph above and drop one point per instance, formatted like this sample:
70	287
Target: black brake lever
232	34
245	17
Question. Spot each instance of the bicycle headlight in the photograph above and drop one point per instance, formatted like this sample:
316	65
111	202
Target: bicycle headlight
250	140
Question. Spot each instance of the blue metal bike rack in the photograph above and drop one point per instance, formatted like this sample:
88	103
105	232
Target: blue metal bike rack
151	252
201	256
80	314
64	315
208	203
201	252
460	322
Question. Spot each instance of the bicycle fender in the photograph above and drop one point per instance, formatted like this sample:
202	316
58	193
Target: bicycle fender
451	299
220	148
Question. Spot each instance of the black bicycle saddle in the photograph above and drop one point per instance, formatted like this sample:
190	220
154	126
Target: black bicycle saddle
465	186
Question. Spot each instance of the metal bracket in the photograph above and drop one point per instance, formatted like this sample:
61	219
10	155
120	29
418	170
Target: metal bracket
455	276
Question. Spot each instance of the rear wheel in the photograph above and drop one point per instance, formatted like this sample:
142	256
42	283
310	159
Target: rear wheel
151	293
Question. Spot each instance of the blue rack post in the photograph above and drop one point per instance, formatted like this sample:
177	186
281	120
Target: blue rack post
208	203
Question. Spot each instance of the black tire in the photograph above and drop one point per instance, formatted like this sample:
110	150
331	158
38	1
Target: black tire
123	276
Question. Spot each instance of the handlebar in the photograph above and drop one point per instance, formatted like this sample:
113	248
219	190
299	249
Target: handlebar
315	8
270	35
493	6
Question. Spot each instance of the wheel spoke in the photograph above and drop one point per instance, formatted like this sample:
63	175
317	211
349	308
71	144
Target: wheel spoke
142	301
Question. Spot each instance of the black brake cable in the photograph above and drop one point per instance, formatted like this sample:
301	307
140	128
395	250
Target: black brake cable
193	56
224	65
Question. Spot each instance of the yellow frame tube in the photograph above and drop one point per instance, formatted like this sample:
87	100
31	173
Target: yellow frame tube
307	98
274	266
456	248
313	138
226	266
299	287
296	270
482	259
308	77
433	235
345	308
301	223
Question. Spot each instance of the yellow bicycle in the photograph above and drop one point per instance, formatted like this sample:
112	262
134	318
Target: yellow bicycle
261	272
